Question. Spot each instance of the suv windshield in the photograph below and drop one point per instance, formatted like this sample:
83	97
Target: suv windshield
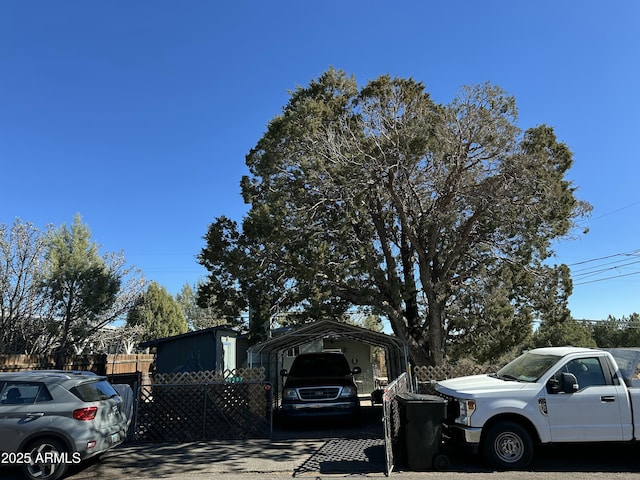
320	365
527	367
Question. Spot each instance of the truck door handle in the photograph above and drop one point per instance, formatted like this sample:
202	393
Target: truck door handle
607	398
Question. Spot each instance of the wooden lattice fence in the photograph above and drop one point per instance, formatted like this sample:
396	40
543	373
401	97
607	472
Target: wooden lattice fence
425	376
210	376
208	405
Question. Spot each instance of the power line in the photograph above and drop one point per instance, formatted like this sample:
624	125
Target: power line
616	211
590	273
628	254
590	270
608	278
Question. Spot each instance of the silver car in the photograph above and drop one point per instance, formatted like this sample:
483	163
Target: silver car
50	420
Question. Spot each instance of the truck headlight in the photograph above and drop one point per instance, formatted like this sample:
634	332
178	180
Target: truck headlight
467	407
348	392
290	394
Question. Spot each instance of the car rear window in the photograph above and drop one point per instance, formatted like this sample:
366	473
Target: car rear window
94	391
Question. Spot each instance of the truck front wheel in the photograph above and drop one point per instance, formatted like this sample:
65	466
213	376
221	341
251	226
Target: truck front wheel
508	446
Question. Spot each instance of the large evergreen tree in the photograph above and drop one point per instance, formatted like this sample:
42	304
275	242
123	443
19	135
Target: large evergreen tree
569	332
614	333
198	317
439	217
158	313
83	288
57	290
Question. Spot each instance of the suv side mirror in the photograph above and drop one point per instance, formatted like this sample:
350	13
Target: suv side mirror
356	370
283	372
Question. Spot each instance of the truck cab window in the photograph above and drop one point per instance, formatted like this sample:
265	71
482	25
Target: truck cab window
588	372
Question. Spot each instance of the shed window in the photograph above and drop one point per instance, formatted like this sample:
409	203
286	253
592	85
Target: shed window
292	352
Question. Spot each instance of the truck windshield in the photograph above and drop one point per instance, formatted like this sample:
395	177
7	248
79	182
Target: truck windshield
319	365
528	367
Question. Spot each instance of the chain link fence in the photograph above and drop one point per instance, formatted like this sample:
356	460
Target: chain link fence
391	420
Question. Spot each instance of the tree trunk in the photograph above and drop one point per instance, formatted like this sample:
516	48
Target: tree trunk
426	341
61	351
435	335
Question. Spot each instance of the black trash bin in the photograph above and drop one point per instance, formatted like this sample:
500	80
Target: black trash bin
421	418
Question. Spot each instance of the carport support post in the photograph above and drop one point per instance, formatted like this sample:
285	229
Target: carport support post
278	366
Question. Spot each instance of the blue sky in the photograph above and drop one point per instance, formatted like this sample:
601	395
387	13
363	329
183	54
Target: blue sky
138	114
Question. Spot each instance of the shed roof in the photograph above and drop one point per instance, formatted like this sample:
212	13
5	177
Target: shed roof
157	341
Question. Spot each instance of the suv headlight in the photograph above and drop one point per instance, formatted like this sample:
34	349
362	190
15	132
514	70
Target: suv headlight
348	392
290	394
467	408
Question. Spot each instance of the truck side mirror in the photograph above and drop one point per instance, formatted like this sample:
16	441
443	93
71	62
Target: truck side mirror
553	386
569	383
283	372
356	370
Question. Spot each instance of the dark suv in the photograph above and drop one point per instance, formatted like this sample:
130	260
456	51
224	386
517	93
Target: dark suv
320	384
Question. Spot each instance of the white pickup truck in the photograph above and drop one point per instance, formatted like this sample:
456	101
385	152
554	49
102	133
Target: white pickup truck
547	395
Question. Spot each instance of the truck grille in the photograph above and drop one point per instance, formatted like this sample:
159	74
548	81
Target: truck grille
319	393
453	408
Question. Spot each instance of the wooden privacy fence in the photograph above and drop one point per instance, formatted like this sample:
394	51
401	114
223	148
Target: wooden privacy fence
129	363
102	364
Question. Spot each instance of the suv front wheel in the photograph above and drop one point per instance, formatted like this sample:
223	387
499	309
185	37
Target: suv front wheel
48	459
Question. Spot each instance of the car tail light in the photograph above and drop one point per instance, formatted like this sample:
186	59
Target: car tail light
88	413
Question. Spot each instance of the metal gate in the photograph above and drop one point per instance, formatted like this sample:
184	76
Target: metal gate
206	411
391	412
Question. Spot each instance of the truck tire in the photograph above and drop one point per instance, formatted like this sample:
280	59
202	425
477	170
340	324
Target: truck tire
508	446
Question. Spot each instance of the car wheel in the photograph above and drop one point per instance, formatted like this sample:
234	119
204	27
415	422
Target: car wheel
508	446
441	462
48	457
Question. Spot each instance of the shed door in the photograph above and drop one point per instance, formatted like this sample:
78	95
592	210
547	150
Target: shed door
228	353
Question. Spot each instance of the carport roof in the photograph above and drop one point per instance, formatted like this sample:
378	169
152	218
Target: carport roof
327	329
268	353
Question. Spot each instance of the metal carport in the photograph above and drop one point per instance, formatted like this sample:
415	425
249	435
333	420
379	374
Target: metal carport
268	354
